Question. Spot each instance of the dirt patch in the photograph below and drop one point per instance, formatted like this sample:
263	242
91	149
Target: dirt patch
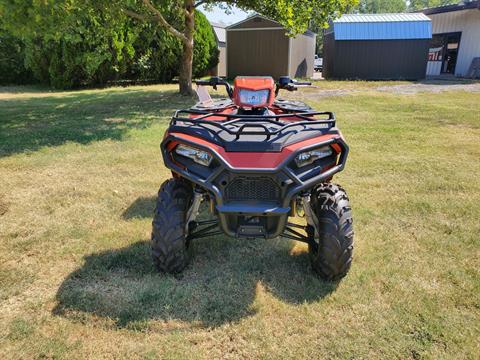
434	87
329	93
115	120
430	86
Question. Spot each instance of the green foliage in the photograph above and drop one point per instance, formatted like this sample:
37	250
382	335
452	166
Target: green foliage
205	50
68	44
423	4
158	52
381	6
12	55
295	15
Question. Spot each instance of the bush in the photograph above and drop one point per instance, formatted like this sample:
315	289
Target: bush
12	61
87	52
205	50
158	52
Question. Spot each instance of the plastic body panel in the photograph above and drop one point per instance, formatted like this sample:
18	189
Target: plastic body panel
254	84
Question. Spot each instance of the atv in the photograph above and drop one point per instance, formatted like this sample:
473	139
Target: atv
256	161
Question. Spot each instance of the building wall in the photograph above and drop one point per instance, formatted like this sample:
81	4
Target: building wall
466	21
302	56
328	55
375	59
221	68
222	61
257	53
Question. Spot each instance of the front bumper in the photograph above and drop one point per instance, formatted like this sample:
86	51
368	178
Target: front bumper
254	201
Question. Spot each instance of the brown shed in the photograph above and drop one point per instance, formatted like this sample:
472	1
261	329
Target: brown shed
259	46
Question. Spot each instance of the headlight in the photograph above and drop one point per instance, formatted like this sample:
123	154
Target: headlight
199	156
308	157
254	98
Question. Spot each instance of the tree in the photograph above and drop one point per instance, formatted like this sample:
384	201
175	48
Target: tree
157	52
12	55
71	43
68	45
381	6
293	14
423	4
31	19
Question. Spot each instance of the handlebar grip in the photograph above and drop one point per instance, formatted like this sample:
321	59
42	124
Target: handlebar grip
202	82
302	83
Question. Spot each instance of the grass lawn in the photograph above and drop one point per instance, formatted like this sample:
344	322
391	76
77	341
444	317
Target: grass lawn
79	172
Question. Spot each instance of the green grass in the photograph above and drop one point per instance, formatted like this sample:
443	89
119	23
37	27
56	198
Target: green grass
79	172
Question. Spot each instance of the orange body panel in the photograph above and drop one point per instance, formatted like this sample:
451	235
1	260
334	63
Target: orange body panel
254	84
254	160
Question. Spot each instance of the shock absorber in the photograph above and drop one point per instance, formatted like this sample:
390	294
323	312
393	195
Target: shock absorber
310	218
198	196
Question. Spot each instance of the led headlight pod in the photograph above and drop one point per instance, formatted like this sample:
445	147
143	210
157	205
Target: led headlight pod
308	157
199	156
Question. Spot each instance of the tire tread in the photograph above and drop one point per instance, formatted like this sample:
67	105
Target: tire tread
170	250
333	257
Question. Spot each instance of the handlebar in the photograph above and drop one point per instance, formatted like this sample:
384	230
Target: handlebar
214	81
286	83
203	82
304	83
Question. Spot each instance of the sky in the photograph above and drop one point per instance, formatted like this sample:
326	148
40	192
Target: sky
219	16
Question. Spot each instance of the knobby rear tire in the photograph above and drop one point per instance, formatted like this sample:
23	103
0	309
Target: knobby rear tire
170	248
332	257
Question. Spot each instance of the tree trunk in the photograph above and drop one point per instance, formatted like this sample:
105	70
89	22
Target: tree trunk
185	74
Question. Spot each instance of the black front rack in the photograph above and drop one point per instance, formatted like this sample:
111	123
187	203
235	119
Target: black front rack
241	123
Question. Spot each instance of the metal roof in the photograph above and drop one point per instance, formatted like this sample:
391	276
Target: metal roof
220	32
251	17
368	18
382	27
277	25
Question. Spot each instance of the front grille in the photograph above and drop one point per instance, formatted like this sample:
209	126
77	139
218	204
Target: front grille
249	188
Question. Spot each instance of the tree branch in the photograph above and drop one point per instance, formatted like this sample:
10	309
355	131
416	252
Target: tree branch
137	16
201	2
159	17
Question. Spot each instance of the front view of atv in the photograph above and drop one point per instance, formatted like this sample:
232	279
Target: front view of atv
258	162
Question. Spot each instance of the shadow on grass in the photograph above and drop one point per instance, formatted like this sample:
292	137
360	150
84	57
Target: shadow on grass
143	207
27	124
219	286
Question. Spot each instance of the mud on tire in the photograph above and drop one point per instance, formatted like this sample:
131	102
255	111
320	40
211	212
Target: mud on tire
332	257
170	248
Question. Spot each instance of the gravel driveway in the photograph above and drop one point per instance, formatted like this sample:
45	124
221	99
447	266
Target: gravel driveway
434	87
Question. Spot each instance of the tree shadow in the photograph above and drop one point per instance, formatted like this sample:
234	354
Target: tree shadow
302	69
220	285
29	123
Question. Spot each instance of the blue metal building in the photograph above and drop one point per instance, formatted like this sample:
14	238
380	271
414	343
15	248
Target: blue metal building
377	46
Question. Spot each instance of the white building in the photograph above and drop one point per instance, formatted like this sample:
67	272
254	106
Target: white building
456	38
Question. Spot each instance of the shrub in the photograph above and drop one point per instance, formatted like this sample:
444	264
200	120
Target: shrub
12	60
158	52
95	47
